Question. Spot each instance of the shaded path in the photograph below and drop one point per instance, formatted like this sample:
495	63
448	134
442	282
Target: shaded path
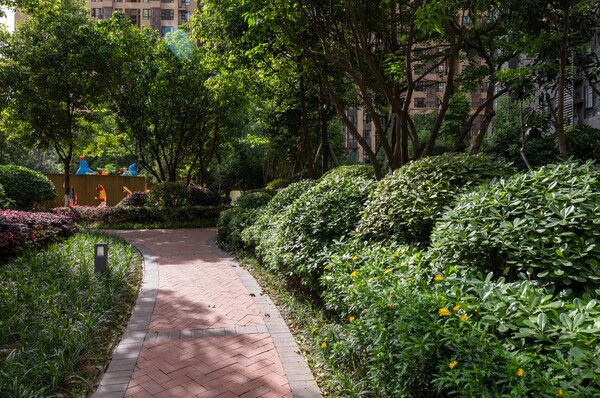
202	328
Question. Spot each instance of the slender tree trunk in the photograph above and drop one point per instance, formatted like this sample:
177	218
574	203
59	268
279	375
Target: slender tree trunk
304	122
67	181
562	82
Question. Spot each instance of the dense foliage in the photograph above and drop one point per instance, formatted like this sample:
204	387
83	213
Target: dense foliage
309	227
584	142
27	189
407	203
540	225
58	321
169	194
20	231
202	196
135	199
5	202
254	199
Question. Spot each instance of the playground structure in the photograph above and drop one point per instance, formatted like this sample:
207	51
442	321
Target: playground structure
85	186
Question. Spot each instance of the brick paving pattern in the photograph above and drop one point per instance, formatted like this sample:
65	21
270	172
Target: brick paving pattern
202	328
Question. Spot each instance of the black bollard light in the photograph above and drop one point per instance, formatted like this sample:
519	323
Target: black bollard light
100	258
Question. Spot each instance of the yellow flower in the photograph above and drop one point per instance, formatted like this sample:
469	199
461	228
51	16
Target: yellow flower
456	307
323	345
389	297
351	318
438	278
390	305
444	312
354	258
354	273
452	364
560	393
464	317
387	271
520	372
326	339
376	277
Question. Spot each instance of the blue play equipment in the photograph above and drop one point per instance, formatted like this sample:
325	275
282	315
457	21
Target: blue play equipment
131	171
84	168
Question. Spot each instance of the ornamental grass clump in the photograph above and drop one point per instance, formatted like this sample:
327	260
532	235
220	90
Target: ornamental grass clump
407	203
58	321
542	225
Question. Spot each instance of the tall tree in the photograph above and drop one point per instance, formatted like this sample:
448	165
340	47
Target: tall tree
50	71
163	100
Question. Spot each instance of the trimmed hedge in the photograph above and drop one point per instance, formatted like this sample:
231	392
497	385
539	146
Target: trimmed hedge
26	188
407	203
21	230
208	215
541	225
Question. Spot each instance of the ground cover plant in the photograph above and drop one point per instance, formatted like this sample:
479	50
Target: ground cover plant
58	320
20	230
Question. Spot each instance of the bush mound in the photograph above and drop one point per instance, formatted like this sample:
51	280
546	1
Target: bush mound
407	203
306	231
355	170
201	196
583	142
21	230
262	233
169	194
541	225
135	199
5	202
254	199
26	188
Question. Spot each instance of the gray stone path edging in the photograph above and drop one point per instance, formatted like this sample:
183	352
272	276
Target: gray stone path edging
116	379
301	379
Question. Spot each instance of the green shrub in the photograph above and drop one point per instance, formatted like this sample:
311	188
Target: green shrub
27	189
5	202
254	199
542	225
262	234
135	199
230	225
407	203
277	183
583	142
169	194
323	214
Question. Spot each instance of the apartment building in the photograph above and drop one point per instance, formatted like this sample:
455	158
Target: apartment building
162	15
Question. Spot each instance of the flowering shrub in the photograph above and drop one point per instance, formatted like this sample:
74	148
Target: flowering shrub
21	230
27	189
404	330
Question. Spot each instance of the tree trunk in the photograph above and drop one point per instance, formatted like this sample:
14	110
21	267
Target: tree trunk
304	122
562	82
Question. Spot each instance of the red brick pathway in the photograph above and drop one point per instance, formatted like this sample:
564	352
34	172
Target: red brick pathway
202	328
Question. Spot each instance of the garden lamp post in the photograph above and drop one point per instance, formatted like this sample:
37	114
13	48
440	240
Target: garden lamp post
100	257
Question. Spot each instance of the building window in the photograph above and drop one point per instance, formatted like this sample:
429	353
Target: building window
440	87
420	103
367	135
420	86
97	13
166	29
589	97
466	21
185	3
146	13
166	15
166	1
145	1
185	16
